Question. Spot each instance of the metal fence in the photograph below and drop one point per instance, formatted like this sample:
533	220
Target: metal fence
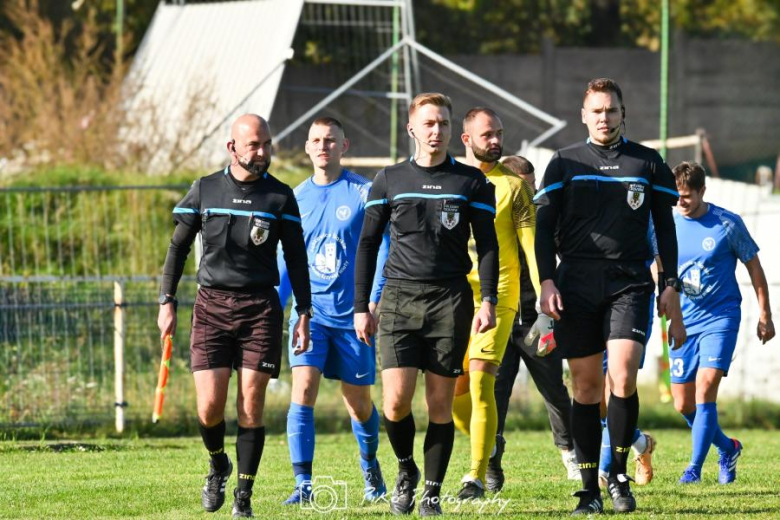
78	279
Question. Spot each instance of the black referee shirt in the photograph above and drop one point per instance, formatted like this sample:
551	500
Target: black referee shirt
241	224
431	211
595	203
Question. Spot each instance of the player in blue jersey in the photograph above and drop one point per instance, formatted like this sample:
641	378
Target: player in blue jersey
711	240
332	204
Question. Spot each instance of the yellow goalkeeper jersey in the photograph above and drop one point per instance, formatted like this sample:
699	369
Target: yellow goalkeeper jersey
515	227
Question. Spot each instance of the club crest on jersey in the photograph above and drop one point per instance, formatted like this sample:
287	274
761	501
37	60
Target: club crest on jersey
636	195
343	213
450	216
259	231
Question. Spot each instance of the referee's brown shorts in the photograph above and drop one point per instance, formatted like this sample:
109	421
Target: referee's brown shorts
425	325
233	329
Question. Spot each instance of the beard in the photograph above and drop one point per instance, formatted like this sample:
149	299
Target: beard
257	167
486	155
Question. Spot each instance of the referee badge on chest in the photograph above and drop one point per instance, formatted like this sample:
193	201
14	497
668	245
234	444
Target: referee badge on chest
259	231
450	215
636	195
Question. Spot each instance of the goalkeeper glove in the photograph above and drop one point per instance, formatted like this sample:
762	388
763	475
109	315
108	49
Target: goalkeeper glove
543	330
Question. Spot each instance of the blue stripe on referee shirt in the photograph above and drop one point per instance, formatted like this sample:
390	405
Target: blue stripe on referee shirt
604	178
429	196
242	213
375	202
667	190
185	210
548	189
486	207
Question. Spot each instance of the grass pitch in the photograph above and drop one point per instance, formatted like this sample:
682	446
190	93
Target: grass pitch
161	479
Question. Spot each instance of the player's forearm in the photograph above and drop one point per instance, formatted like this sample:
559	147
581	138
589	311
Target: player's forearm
366	260
527	238
484	231
666	233
760	286
178	250
297	263
544	243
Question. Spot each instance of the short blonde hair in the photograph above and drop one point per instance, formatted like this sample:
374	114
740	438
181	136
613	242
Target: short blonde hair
430	98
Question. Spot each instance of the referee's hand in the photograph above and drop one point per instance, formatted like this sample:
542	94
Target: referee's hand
365	326
550	300
166	320
301	335
669	306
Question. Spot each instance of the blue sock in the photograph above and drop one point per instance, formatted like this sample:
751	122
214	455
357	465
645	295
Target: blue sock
605	459
724	444
704	426
300	438
637	434
720	440
367	436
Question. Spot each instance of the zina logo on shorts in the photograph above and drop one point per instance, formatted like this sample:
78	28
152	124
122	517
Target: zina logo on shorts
636	195
259	231
450	216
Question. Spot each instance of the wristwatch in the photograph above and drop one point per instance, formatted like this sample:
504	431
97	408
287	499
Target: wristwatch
305	311
165	299
674	283
490	299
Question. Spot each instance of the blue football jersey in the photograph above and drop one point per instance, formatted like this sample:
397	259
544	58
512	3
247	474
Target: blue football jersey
709	247
332	218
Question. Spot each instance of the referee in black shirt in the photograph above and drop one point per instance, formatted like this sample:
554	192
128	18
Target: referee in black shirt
432	203
242	213
595	203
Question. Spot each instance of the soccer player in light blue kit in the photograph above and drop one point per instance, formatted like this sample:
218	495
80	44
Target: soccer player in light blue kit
332	204
711	240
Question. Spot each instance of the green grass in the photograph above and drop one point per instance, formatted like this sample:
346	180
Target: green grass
154	478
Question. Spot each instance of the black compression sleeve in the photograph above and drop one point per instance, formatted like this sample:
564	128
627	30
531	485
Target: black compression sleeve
366	258
544	244
181	243
297	262
666	234
484	231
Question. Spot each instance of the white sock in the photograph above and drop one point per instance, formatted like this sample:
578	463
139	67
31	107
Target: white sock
640	445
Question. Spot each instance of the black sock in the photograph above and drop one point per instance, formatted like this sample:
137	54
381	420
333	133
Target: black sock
214	440
586	434
622	417
401	436
249	450
438	449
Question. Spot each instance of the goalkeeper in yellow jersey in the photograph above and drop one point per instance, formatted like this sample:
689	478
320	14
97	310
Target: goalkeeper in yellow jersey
475	410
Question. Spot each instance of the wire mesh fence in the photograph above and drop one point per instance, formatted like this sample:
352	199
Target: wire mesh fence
62	251
57	349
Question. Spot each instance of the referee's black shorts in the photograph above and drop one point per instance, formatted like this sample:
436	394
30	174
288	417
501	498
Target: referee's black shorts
425	325
602	300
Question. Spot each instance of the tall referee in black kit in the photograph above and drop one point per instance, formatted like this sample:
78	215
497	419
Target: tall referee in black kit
242	213
432	203
595	202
